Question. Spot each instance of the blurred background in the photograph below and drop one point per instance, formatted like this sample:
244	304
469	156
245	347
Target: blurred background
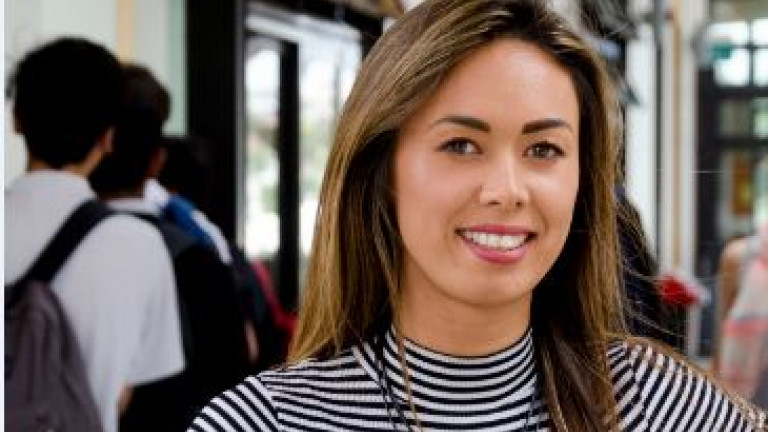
262	82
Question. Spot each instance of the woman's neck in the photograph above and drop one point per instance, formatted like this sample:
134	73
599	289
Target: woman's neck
463	330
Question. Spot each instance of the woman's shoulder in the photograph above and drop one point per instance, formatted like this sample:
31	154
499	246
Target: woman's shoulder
659	389
247	407
312	370
258	402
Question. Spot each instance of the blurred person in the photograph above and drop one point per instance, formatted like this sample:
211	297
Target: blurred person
743	350
181	186
741	357
185	213
185	179
465	269
188	172
155	97
211	318
117	289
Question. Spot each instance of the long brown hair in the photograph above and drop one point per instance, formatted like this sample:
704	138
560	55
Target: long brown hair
355	264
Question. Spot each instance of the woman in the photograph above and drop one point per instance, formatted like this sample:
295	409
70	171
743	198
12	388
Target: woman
464	267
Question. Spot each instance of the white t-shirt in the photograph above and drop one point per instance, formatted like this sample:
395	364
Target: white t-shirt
117	288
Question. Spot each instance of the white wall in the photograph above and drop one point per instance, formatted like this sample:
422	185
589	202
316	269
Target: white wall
641	168
159	43
150	32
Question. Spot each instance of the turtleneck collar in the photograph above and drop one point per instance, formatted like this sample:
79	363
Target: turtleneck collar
512	359
501	380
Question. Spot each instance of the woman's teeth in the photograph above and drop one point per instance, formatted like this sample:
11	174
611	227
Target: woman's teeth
495	241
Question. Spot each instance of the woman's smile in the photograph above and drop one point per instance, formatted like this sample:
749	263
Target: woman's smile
497	244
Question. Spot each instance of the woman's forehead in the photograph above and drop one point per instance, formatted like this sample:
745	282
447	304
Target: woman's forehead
505	80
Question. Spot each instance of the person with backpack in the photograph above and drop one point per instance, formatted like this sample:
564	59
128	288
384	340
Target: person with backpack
211	317
115	296
181	186
177	183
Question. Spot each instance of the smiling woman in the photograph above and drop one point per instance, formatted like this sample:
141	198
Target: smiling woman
496	169
464	269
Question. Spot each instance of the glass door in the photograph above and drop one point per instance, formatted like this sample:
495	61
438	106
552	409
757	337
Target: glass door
298	72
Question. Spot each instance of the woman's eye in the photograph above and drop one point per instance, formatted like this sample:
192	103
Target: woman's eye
544	150
460	146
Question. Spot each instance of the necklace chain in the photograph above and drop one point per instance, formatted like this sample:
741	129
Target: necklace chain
389	396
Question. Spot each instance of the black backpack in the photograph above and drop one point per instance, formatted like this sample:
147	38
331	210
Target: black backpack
46	387
212	327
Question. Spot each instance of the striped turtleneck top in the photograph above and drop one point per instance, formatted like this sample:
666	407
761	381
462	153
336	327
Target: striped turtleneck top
498	392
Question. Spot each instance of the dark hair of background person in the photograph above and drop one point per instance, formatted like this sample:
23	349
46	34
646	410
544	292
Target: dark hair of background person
146	90
136	140
187	168
66	96
145	107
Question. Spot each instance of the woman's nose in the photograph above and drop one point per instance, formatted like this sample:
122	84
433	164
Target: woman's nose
504	185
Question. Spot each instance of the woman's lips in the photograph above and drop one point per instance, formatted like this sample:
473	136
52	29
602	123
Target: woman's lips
497	244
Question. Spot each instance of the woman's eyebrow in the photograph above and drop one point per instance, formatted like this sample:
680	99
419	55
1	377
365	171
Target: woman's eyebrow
529	128
470	122
544	124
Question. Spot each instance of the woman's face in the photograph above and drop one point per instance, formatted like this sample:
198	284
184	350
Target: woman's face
486	177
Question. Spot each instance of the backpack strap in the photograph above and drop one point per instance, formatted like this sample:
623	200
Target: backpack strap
175	238
63	243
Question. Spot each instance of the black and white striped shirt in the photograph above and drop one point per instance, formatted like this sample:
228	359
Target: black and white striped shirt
497	392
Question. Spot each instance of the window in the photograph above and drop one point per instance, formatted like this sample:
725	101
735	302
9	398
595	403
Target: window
739	52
